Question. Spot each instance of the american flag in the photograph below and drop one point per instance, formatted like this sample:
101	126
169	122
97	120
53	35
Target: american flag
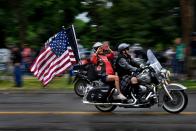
59	54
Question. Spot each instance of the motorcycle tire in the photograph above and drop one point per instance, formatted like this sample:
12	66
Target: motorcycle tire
178	104
106	108
79	87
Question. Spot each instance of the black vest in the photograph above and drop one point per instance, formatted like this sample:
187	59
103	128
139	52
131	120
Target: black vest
120	70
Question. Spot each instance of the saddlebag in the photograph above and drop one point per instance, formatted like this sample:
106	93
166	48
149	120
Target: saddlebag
98	95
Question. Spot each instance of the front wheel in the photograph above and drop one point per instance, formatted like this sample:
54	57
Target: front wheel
179	102
106	108
79	87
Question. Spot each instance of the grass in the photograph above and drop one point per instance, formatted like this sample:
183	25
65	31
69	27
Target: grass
58	84
32	83
189	84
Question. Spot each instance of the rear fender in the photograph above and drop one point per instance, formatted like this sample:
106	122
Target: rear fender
77	78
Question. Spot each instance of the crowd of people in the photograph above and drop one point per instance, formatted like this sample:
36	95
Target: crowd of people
17	61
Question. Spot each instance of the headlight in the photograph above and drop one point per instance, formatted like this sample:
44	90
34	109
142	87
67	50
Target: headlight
163	70
165	73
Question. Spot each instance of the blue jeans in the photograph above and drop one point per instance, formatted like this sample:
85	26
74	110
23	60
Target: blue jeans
18	75
180	67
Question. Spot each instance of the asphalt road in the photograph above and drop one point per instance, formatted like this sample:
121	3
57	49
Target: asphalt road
65	111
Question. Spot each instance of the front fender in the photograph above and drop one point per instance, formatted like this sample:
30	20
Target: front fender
176	86
170	87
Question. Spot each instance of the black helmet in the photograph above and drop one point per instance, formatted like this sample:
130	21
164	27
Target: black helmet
123	46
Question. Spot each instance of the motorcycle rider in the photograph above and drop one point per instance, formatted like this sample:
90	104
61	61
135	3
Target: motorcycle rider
125	66
101	60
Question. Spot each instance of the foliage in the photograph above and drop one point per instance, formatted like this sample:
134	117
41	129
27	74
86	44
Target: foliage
34	21
133	21
148	22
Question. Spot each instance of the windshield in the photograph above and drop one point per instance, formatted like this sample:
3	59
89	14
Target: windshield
154	63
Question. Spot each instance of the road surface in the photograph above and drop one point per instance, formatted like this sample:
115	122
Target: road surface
65	111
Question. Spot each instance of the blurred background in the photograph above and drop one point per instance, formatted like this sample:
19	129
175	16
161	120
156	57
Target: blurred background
154	24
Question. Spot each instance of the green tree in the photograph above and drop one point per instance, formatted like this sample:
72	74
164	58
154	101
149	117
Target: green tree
34	21
145	22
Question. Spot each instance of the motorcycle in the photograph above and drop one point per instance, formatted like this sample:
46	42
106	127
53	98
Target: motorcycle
154	88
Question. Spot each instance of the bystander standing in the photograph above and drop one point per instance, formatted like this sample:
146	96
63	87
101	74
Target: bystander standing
180	58
26	59
5	55
17	60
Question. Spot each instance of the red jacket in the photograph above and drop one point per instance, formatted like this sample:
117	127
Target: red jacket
108	67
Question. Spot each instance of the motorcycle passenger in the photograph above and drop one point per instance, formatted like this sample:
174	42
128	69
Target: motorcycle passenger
101	60
125	66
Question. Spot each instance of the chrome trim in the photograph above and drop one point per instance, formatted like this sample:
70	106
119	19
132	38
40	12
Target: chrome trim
148	96
166	90
118	104
135	100
179	85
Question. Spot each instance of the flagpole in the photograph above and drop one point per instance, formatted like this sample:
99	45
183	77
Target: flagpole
75	40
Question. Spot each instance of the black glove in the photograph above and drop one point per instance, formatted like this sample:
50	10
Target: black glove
138	70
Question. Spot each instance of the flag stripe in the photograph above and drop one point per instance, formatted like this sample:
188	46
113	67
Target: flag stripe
51	69
58	62
53	73
72	57
43	62
39	72
51	66
35	61
42	56
54	68
66	65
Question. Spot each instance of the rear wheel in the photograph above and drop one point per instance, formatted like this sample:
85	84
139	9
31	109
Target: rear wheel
179	102
79	87
106	108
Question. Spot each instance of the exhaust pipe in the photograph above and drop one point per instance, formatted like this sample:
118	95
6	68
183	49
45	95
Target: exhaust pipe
118	104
